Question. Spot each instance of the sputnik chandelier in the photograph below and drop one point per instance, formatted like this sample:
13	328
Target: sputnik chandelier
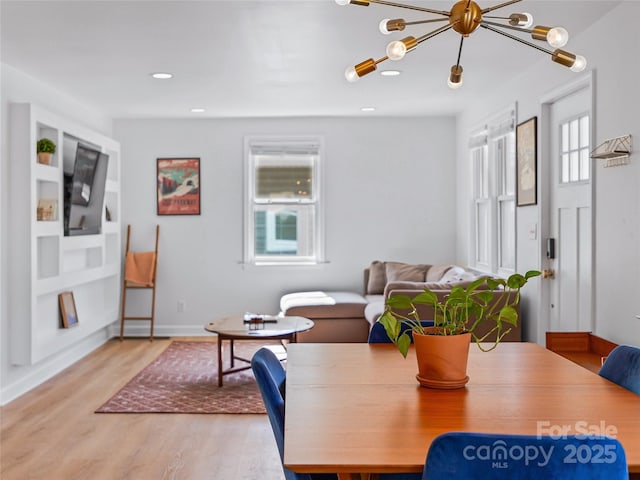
465	17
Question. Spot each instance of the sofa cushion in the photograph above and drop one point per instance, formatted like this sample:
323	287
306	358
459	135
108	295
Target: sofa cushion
435	273
377	278
397	271
374	308
320	304
414	286
453	274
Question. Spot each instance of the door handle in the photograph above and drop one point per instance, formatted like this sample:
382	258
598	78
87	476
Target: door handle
548	273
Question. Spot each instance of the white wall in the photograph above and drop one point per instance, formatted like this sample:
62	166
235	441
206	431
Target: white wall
609	46
17	87
369	180
389	195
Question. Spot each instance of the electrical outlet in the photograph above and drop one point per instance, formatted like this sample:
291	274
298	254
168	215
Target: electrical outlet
181	306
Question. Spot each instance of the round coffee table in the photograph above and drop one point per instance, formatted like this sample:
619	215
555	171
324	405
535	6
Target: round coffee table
253	327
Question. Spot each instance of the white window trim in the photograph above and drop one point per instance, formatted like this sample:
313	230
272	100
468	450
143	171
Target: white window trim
484	136
249	257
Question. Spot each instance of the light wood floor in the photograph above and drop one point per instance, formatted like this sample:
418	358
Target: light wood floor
52	433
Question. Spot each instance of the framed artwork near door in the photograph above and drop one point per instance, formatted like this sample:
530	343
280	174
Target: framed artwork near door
526	162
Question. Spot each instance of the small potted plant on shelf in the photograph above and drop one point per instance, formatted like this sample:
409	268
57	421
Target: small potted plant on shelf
442	350
45	148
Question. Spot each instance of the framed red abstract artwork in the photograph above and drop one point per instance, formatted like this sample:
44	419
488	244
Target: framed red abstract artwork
178	186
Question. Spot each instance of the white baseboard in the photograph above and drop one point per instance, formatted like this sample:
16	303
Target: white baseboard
50	367
142	330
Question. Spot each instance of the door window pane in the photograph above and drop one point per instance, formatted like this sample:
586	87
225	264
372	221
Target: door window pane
575	163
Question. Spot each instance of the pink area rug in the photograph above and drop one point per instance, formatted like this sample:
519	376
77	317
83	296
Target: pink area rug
184	379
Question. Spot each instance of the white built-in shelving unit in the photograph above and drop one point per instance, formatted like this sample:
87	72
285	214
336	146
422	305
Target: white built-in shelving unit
43	261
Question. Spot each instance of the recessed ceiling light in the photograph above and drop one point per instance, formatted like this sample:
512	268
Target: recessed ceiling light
368	109
162	75
390	73
197	110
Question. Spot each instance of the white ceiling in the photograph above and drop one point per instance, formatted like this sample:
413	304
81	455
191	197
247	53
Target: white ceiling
260	58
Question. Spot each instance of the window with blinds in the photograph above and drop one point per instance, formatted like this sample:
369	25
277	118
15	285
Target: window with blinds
283	204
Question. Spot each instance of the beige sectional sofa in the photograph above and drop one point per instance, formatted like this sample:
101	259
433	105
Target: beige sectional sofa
348	316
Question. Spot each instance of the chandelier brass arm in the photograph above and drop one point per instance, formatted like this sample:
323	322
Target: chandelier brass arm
365	3
496	7
455	76
429	35
576	63
559	35
398	24
464	18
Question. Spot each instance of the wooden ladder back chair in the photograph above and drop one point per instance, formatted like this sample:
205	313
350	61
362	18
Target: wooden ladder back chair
139	273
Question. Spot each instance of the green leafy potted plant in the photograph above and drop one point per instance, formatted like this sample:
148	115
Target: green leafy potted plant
488	302
45	148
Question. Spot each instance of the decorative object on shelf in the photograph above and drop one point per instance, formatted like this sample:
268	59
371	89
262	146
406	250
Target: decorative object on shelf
107	214
45	149
465	17
442	358
614	151
178	186
68	309
47	210
526	162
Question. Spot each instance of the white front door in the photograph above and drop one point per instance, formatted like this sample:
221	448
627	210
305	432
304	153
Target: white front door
570	214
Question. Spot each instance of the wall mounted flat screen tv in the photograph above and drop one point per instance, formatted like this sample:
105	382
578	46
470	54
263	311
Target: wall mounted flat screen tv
84	171
84	189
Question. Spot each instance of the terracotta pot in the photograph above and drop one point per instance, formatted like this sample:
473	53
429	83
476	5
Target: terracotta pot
44	158
442	360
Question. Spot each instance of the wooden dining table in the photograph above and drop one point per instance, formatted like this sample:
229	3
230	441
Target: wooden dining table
359	408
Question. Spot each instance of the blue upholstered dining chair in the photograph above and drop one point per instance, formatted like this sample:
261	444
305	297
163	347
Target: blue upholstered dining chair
377	333
622	366
270	377
475	456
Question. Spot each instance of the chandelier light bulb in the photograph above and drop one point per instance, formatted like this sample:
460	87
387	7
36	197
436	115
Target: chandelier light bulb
343	2
351	75
579	64
454	85
383	26
396	50
557	37
521	20
455	77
